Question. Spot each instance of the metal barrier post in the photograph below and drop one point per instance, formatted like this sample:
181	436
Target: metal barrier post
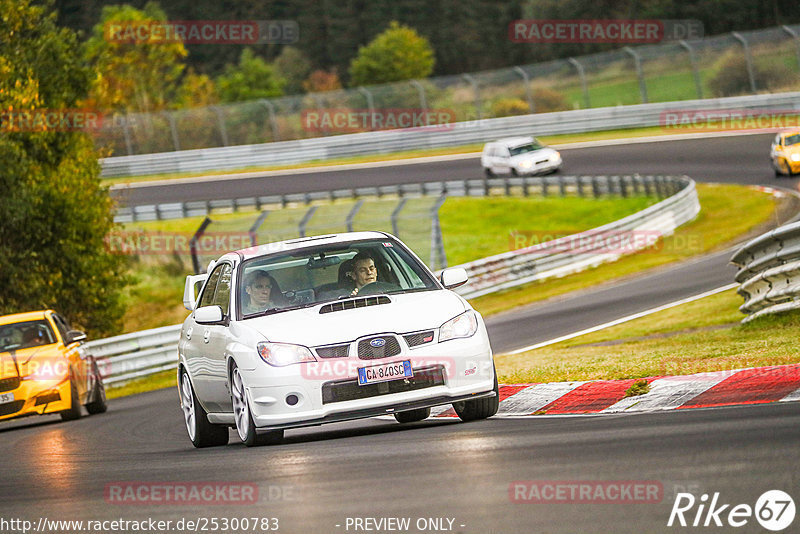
637	60
438	259
748	60
221	120
126	133
370	102
695	71
352	214
582	74
256	225
170	115
301	228
396	214
193	244
527	81
272	120
476	89
423	104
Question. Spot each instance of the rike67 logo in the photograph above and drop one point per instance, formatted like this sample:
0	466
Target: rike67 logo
774	510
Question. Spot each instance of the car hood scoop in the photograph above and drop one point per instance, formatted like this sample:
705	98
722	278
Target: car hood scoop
351	304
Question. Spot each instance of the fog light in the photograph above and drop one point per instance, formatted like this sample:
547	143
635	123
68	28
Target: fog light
291	400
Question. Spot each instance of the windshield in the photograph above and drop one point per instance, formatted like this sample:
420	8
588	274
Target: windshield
522	149
25	335
321	274
791	140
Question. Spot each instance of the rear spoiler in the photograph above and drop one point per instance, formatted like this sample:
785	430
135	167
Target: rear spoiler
190	290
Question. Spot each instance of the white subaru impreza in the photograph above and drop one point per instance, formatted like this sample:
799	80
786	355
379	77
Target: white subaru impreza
323	329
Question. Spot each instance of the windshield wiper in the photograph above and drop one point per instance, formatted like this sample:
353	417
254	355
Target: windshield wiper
271	311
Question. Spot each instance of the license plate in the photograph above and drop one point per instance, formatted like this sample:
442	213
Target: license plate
6	397
384	372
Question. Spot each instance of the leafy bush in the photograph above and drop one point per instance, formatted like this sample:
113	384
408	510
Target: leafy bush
731	76
547	100
506	107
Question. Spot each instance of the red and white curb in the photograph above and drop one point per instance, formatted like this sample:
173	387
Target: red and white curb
758	385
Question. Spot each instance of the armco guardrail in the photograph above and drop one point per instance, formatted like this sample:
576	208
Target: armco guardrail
142	353
136	355
456	134
769	272
580	251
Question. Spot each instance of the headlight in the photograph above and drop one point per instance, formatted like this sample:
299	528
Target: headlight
525	164
49	369
555	157
795	157
280	354
463	325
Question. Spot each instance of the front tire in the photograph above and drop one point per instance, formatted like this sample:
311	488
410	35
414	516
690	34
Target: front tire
412	416
473	410
98	404
488	173
201	432
245	426
74	411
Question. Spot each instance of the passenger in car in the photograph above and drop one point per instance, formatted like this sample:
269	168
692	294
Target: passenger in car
261	293
364	271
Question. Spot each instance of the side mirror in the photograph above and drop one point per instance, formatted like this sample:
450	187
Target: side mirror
75	335
190	290
208	314
452	278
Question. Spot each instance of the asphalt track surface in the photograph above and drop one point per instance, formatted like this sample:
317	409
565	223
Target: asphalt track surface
442	469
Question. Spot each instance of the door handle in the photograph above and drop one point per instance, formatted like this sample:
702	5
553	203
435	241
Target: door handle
189	333
206	335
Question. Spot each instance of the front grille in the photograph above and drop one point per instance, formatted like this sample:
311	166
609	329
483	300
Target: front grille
333	351
11	407
367	352
345	390
351	304
543	161
9	384
419	338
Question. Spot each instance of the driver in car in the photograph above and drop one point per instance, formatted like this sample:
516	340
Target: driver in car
364	271
262	290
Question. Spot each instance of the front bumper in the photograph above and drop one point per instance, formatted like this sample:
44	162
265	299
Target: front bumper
541	168
37	397
301	395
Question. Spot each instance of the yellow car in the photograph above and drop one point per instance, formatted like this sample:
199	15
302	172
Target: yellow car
44	368
785	153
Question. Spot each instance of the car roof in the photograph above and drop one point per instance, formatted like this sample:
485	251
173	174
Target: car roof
515	141
25	316
306	242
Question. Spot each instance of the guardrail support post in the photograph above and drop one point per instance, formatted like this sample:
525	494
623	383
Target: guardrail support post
793	33
193	244
637	184
544	186
438	259
396	215
301	228
370	102
221	120
527	81
470	79
595	187
423	103
582	74
256	225
695	71
173	129
637	60
748	60
579	182
562	187
126	133
273	122
352	215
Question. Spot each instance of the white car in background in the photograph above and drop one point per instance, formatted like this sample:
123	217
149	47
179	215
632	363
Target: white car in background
519	156
318	354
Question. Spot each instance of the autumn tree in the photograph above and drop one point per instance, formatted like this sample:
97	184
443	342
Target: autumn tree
54	214
397	54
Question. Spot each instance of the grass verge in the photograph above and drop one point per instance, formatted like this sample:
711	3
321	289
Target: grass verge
700	336
161	380
728	212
